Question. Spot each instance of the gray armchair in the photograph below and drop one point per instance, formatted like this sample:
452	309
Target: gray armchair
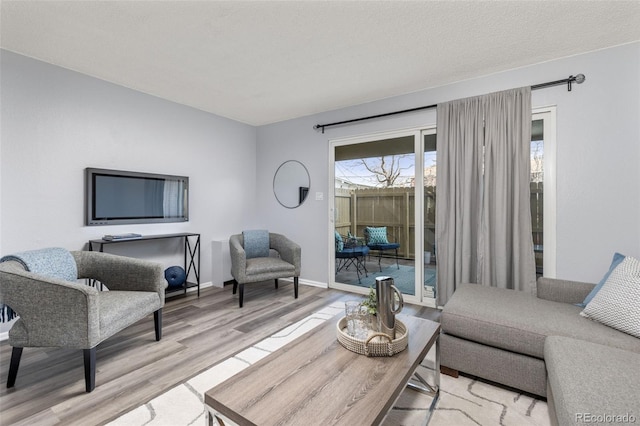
61	313
283	262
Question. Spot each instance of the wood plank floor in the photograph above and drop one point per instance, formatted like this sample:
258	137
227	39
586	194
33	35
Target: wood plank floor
132	368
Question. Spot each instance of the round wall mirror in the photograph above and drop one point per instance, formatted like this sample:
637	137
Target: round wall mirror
291	184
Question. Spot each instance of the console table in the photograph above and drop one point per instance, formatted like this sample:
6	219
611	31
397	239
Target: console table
191	255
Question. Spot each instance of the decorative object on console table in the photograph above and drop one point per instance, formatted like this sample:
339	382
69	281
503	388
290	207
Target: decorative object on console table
191	255
129	236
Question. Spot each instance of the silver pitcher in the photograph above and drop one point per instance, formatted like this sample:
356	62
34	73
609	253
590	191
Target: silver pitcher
385	303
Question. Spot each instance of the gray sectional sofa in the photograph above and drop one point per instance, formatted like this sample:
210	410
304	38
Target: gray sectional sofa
540	344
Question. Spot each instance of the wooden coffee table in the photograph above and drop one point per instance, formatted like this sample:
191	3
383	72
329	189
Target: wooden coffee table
315	381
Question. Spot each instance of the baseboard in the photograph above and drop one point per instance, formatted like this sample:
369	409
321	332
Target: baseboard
4	336
191	289
307	282
313	283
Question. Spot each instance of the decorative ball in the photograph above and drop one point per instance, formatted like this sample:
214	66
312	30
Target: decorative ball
175	276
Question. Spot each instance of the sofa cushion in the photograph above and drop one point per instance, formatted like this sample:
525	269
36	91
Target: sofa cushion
518	321
617	304
592	383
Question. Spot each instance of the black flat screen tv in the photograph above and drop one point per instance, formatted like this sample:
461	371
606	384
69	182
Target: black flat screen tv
115	197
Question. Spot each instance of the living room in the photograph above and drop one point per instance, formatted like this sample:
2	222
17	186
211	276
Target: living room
57	121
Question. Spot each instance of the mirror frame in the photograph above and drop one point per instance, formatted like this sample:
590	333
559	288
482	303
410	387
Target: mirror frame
303	192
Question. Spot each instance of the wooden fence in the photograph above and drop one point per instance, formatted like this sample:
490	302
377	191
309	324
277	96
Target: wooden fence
394	208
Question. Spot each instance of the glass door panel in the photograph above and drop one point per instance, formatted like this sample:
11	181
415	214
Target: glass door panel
374	212
537	192
429	178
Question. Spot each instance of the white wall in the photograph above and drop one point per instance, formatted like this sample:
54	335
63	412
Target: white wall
598	157
57	122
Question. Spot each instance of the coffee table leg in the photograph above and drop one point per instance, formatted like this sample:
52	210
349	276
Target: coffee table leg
217	419
426	388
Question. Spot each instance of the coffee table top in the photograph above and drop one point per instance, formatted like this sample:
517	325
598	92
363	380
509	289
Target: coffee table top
315	381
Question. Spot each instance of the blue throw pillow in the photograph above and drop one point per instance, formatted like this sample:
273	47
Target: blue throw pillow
256	243
617	259
377	235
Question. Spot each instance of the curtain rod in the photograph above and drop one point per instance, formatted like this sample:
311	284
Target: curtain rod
577	78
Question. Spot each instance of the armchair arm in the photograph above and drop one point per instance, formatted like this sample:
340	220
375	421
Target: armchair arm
289	251
238	258
121	273
564	291
60	305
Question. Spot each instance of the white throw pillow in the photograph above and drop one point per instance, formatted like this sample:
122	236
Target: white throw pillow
617	304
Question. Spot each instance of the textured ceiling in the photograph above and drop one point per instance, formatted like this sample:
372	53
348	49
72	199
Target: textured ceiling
263	62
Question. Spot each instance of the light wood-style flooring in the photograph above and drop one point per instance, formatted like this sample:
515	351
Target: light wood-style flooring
132	368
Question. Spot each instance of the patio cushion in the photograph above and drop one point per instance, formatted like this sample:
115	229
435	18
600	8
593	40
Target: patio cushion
353	252
376	235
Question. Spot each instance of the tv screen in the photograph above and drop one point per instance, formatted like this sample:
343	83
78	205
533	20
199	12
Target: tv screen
119	197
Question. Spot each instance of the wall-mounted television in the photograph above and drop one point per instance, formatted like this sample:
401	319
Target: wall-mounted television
115	197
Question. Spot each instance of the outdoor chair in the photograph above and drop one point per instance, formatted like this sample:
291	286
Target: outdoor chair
55	310
259	255
351	251
377	239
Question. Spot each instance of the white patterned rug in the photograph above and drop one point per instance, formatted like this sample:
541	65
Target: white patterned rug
463	401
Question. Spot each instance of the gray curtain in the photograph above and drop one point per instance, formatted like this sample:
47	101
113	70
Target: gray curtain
483	217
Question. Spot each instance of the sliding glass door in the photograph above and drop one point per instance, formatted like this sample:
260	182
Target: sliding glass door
376	225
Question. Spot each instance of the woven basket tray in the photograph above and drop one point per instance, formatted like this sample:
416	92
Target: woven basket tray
376	344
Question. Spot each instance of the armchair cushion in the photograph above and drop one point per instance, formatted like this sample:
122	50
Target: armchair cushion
119	310
256	243
268	265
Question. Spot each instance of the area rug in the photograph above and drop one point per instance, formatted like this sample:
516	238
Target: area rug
463	401
403	278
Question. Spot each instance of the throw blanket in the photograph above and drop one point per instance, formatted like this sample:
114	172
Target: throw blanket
256	243
54	262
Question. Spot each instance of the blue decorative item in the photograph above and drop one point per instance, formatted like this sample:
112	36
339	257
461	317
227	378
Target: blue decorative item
175	276
256	243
